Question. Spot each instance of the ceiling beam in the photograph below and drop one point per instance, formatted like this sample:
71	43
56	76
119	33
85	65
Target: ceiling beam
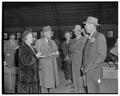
19	15
56	14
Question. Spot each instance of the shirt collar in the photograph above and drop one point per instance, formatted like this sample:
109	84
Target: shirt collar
46	40
91	34
79	37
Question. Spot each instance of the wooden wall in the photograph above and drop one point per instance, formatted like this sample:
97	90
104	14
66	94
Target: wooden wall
61	16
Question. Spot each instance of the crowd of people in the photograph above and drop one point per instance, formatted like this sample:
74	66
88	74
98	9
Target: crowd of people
38	63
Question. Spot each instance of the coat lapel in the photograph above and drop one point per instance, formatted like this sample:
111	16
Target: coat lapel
46	43
30	50
88	47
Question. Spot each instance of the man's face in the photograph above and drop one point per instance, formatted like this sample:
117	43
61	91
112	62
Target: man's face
89	27
12	37
52	33
48	34
77	32
67	36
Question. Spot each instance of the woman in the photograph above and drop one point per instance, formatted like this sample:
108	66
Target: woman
28	76
66	61
76	49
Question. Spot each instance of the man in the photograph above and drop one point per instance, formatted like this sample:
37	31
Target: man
94	55
48	71
76	50
10	47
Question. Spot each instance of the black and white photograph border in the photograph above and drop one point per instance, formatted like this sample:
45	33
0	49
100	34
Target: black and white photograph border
63	28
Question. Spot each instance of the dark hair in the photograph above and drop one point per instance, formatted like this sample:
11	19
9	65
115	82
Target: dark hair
25	34
68	32
11	33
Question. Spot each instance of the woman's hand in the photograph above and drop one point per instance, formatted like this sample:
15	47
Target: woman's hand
16	47
38	54
66	58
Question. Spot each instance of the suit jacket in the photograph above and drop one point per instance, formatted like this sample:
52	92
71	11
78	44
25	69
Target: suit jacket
76	50
9	52
94	52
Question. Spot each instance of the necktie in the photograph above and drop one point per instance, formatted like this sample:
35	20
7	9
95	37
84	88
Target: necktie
12	44
50	43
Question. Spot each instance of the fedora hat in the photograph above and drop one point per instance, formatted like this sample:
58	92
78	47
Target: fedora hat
92	20
77	27
46	29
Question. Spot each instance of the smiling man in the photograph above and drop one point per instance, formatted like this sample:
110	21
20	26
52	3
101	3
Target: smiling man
94	55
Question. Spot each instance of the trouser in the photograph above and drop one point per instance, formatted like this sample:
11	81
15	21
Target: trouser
10	80
47	90
77	80
93	79
67	71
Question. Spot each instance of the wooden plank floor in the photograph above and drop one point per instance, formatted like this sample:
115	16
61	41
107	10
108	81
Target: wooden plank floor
107	85
63	88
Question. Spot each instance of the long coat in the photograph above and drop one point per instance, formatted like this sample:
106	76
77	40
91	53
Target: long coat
76	49
9	57
28	74
48	65
94	56
9	52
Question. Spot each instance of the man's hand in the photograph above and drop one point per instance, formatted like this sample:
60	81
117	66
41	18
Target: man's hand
81	68
54	53
8	54
5	63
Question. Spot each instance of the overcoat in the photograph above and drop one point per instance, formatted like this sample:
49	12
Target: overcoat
9	57
94	56
48	69
9	52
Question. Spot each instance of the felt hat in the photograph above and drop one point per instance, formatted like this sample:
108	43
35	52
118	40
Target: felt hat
46	28
92	20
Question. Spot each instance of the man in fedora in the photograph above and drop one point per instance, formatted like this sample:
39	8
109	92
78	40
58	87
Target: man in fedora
48	69
94	55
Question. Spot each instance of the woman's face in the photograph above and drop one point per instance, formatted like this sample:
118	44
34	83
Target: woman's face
67	36
29	38
77	32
